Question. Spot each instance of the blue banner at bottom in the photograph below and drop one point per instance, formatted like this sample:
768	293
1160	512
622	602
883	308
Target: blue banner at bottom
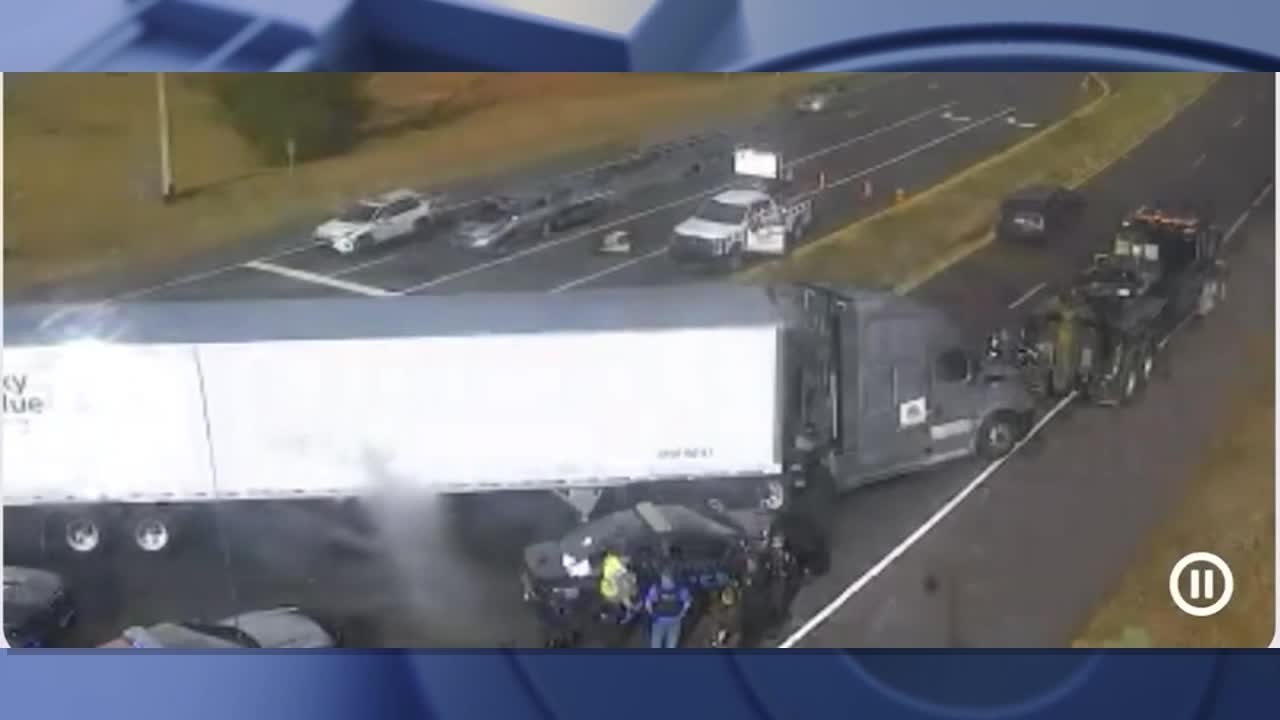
643	685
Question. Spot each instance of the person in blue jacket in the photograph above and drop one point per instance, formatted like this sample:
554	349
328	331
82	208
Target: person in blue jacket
667	603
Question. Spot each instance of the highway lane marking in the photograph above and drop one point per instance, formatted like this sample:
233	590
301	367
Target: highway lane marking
910	153
317	279
1027	295
202	275
1262	196
831	185
607	271
901	548
868	135
367	264
541	247
950	506
1238	122
1198	161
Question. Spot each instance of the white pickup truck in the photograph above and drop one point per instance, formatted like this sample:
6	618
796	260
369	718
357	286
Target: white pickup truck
738	222
377	220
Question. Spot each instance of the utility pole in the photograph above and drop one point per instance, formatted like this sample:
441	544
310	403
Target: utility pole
167	187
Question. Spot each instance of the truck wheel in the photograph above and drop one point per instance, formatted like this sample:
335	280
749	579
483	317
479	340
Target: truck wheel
1146	365
1210	293
1130	381
735	259
774	496
999	434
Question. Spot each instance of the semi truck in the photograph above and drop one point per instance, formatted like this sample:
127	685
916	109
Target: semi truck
758	216
122	421
1100	336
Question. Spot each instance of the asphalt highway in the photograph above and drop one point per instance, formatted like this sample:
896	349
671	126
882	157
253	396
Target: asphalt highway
1023	559
908	132
424	591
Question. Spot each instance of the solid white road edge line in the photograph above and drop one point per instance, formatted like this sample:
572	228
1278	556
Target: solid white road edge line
901	548
317	279
1026	296
939	515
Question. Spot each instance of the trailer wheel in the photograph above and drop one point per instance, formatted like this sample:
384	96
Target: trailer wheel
999	434
151	532
81	534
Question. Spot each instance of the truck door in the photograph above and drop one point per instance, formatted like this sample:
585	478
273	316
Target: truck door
893	411
953	418
766	229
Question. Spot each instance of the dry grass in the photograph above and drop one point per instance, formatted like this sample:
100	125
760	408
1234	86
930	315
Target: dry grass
897	245
82	168
1221	511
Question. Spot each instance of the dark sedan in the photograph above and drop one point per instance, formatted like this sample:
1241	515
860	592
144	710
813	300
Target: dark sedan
1039	212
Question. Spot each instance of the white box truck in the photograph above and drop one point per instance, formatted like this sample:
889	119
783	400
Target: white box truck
120	420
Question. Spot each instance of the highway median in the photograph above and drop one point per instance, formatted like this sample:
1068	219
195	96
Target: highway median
923	234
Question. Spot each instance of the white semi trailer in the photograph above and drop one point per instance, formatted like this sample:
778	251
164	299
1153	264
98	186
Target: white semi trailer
120	421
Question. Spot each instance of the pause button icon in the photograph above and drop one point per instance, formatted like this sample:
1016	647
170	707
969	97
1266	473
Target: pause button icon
1196	579
1208	584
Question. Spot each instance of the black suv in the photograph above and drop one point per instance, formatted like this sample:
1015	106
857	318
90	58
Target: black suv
1039	212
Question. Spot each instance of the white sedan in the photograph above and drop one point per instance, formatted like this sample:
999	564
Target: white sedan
377	220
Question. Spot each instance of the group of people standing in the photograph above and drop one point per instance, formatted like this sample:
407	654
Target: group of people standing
666	603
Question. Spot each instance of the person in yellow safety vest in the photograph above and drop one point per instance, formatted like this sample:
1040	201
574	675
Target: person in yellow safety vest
618	583
1065	360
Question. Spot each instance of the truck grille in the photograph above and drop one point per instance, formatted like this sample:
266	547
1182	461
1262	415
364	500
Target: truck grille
684	247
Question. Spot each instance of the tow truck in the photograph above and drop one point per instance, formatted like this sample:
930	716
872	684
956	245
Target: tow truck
745	220
1100	337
